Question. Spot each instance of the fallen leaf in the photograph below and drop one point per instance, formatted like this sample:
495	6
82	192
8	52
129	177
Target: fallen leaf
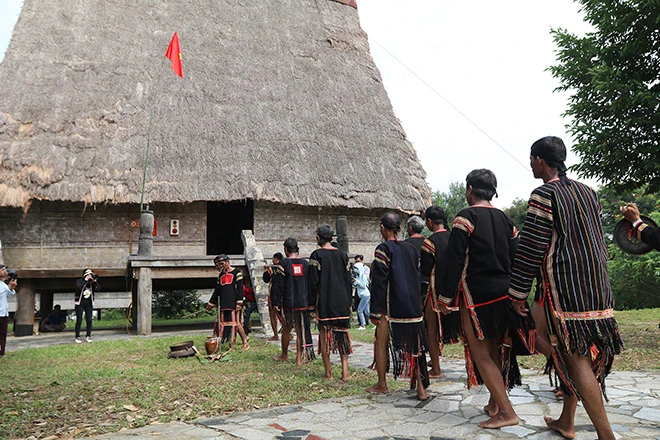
131	407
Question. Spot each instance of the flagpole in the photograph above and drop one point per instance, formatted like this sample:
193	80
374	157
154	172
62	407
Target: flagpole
151	120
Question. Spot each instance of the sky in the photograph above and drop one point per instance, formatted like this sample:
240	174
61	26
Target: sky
467	79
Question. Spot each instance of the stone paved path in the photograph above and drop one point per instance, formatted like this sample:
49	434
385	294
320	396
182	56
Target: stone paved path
452	413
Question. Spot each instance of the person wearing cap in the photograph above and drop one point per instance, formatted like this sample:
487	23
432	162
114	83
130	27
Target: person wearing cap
329	296
7	289
563	246
642	231
440	329
228	298
477	272
396	310
86	287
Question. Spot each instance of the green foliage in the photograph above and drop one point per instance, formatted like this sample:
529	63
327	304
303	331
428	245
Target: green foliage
613	74
171	304
451	201
635	279
517	212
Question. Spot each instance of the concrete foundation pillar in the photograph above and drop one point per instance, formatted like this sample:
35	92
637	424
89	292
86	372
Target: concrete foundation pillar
24	318
144	293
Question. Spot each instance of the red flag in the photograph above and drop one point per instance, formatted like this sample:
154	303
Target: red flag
174	54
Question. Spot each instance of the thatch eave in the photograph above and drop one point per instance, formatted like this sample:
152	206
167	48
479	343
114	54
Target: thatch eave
281	102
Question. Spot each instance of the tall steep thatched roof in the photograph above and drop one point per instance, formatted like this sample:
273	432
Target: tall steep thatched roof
281	101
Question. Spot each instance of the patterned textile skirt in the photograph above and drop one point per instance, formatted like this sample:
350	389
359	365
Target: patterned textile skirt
594	334
499	321
338	337
449	326
299	319
407	348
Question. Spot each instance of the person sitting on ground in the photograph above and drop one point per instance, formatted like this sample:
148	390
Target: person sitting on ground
55	321
642	231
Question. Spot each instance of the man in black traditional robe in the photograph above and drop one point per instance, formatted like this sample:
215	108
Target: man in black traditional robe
330	294
396	310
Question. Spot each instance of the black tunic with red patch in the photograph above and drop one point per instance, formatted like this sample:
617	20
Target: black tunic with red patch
228	290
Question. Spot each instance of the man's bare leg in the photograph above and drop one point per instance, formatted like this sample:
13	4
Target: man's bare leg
299	347
344	367
272	313
325	355
422	394
490	373
579	369
244	337
284	355
380	347
431	321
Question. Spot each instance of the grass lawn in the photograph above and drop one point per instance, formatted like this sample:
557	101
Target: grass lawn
82	390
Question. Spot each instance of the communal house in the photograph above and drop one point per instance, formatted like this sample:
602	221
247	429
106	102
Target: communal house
280	123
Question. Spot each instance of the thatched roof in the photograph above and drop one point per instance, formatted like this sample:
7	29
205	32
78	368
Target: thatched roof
281	101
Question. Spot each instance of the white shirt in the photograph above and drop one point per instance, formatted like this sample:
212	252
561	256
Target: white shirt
4	293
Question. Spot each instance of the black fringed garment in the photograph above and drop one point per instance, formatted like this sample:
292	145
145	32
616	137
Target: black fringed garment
562	242
432	265
293	300
395	295
649	235
330	293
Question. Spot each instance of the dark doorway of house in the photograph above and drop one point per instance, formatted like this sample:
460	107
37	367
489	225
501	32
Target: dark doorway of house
225	221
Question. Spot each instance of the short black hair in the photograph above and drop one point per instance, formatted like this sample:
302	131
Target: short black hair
278	255
359	257
391	221
436	214
553	151
483	183
325	233
291	245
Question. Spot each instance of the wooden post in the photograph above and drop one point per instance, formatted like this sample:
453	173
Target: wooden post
24	318
342	233
144	301
144	292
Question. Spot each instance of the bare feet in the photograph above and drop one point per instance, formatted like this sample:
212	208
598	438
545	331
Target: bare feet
299	360
280	358
499	420
559	394
555	425
378	389
274	338
422	394
328	376
245	347
435	375
491	409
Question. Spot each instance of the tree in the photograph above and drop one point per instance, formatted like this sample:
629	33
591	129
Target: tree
517	211
175	304
451	201
613	74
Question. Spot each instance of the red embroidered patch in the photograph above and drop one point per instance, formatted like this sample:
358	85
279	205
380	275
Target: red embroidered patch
227	278
297	270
